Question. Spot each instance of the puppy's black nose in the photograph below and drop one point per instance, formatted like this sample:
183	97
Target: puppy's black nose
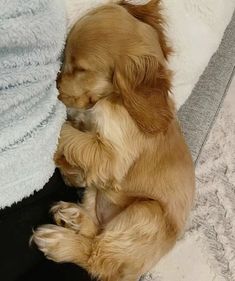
58	80
59	97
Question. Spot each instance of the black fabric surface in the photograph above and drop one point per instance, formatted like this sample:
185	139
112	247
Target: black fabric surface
19	261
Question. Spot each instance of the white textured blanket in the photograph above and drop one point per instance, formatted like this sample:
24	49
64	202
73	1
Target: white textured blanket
31	41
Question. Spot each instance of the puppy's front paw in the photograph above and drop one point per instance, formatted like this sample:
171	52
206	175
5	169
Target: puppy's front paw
57	243
67	215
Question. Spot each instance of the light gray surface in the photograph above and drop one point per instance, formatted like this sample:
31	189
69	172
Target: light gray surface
197	115
213	216
207	250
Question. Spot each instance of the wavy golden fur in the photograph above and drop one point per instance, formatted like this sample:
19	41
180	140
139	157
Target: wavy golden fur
124	144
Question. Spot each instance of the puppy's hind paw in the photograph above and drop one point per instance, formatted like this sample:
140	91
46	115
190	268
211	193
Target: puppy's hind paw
55	242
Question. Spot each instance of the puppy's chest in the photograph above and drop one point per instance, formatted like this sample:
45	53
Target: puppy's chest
114	126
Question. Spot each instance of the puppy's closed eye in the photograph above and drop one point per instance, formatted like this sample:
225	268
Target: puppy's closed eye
79	69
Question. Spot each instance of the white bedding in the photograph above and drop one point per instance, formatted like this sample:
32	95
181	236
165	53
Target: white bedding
195	28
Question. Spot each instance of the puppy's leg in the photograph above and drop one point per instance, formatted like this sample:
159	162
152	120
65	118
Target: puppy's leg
80	218
62	244
128	247
74	217
87	151
132	242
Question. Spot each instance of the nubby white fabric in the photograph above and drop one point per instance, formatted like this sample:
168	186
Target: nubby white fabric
32	36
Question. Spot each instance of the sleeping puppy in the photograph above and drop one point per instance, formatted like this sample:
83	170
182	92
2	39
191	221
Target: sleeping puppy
129	152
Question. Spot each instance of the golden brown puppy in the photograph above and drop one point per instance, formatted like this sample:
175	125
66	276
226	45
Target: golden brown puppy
129	152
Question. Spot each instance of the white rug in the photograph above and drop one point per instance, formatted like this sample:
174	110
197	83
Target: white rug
207	252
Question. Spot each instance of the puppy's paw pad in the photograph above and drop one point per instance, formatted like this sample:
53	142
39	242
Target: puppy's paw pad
67	215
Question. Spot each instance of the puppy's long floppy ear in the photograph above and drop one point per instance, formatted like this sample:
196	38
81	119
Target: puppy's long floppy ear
144	85
150	14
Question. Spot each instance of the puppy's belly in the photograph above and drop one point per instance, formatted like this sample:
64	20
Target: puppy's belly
106	210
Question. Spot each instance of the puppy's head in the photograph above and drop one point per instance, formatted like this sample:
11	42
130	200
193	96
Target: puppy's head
120	50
